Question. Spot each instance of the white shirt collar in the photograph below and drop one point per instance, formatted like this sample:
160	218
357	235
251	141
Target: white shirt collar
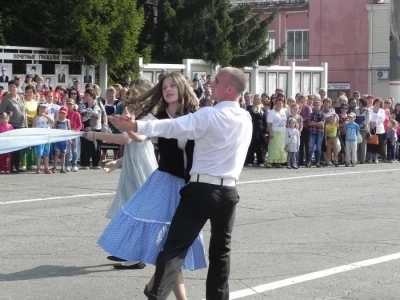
228	104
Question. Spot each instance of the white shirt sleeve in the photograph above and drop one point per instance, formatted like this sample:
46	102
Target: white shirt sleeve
192	126
271	116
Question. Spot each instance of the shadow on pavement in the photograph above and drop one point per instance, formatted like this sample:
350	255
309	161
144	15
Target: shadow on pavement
48	271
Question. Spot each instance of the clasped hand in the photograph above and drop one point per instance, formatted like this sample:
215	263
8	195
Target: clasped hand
123	122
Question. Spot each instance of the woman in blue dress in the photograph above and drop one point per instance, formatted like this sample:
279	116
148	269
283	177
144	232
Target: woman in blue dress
139	229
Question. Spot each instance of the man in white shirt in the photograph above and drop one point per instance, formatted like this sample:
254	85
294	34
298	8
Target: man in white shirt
222	135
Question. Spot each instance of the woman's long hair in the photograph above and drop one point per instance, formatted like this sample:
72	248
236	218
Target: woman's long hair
137	87
152	101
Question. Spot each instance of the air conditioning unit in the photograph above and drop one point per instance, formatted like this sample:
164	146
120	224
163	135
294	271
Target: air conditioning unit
382	74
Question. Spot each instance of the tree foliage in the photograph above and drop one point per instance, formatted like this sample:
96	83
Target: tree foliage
164	31
249	37
92	29
192	29
211	30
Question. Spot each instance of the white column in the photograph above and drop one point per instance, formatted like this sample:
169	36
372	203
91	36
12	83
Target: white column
103	77
254	81
140	63
291	84
324	76
187	72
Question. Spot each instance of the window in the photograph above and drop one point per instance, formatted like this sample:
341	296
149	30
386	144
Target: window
271	42
262	80
272	77
316	81
306	83
297	44
297	79
283	79
248	77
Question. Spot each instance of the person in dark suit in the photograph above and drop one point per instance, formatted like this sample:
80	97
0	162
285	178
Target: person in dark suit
87	78
61	76
4	77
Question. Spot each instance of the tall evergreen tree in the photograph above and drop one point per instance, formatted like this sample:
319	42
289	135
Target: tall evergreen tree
249	38
212	30
192	29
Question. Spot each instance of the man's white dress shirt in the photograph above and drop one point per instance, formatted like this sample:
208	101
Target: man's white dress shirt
222	135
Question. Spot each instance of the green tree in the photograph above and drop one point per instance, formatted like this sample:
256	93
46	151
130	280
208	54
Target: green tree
89	29
192	29
2	39
249	38
212	30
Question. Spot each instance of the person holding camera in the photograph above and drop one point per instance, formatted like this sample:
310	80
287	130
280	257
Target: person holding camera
91	120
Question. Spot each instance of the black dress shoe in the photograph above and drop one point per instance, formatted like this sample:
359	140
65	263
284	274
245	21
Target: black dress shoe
114	258
137	266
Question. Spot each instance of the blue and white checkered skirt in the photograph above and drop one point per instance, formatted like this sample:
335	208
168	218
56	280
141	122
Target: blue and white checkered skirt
139	230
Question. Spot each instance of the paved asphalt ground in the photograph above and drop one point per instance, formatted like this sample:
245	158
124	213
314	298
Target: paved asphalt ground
289	223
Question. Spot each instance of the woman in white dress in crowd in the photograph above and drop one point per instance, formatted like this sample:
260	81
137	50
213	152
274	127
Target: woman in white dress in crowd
138	163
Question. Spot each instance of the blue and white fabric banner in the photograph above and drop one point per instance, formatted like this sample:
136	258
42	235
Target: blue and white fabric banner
14	140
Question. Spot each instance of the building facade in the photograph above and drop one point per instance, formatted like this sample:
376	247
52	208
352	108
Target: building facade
317	31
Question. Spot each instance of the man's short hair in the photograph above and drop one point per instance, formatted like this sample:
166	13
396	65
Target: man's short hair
33	68
237	78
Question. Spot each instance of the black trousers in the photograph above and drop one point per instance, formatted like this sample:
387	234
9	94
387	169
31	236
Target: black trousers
16	156
255	147
88	150
304	145
199	202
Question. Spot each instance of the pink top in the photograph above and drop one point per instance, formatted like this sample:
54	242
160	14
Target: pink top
387	118
5	127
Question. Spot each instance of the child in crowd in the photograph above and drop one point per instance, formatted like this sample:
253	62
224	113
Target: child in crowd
352	130
292	144
295	115
5	158
42	120
316	127
331	140
75	120
391	141
60	148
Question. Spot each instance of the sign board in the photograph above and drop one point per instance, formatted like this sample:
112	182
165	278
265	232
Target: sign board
338	86
36	56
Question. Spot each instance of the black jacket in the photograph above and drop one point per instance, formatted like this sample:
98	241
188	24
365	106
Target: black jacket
259	123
